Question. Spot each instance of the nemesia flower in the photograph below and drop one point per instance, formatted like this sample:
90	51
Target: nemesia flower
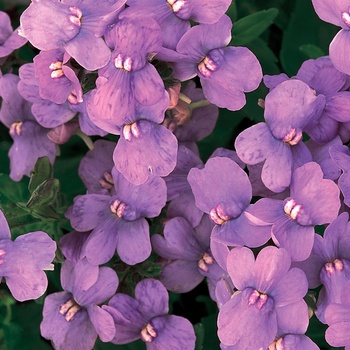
208	57
23	260
226	196
72	319
146	317
313	201
118	220
9	39
75	26
269	297
30	139
289	109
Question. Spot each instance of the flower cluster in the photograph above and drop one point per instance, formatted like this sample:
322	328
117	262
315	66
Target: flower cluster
249	222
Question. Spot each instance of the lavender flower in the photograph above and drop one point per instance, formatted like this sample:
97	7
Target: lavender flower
22	261
270	294
118	220
289	109
146	317
207	55
72	319
77	27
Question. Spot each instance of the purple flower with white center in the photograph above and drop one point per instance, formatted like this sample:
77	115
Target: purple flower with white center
76	26
292	342
179	193
118	220
337	317
72	319
95	169
22	261
313	201
326	80
129	85
146	317
337	13
269	297
30	139
174	16
48	114
9	39
341	157
225	195
145	150
187	256
57	81
329	263
289	109
208	57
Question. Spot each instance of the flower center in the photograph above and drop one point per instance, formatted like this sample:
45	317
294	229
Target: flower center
56	69
123	63
257	298
204	261
277	344
69	309
118	208
218	215
293	137
176	5
206	67
76	16
106	181
292	209
2	253
16	129
131	130
148	333
345	16
332	267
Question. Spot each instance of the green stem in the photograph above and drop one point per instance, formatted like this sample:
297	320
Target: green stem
87	140
199	104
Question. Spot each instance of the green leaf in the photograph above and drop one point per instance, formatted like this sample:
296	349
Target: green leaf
42	171
250	27
311	51
44	194
305	28
13	191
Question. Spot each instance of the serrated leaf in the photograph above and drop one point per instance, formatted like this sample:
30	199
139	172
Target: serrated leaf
311	51
250	27
42	171
44	194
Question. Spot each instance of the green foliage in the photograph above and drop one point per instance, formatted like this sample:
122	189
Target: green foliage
249	28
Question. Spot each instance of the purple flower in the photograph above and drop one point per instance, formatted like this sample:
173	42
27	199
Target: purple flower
225	195
312	201
187	256
329	263
208	57
30	139
337	13
338	318
118	220
72	319
9	39
174	16
129	85
77	27
269	297
289	109
146	317
22	261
